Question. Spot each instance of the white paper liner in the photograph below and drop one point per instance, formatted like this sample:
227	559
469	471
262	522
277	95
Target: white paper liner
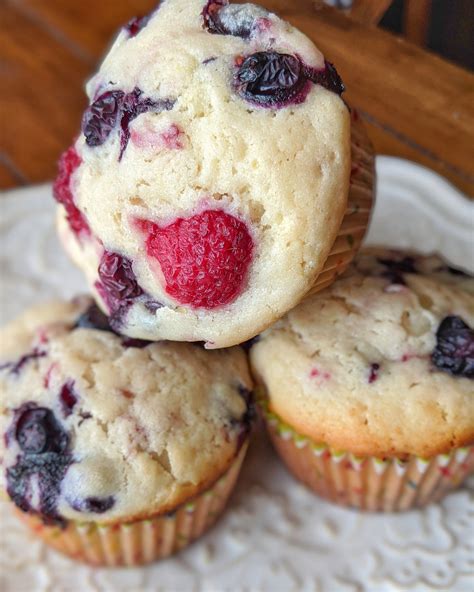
359	207
368	483
142	541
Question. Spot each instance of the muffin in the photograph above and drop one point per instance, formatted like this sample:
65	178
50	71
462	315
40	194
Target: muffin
367	388
117	451
207	193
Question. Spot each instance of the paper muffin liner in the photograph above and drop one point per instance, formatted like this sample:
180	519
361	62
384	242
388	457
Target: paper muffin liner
145	540
359	207
368	483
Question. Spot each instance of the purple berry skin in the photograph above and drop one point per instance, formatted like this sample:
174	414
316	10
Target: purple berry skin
328	77
397	268
117	109
454	351
16	367
119	288
270	79
118	285
95	505
44	454
137	343
249	416
274	80
133	106
101	117
374	372
93	318
238	20
38	431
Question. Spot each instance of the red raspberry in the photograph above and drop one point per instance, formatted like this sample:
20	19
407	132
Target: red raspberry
68	164
204	259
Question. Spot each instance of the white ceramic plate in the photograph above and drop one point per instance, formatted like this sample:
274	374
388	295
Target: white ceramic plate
275	536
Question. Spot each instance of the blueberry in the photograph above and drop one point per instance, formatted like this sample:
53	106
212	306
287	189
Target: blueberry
272	79
38	431
45	454
396	268
95	505
454	351
138	343
116	109
93	318
102	116
238	20
247	345
327	77
17	366
118	284
50	469
374	372
457	271
250	412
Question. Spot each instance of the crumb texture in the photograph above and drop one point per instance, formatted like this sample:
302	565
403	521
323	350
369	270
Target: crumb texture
140	426
181	122
358	366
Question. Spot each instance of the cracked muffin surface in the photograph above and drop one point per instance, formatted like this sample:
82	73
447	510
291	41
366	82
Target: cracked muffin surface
210	180
382	362
102	427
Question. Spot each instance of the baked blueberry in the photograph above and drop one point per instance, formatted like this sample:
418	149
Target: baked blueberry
454	351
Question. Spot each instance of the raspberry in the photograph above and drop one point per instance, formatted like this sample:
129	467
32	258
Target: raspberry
454	351
68	164
134	26
204	259
272	79
67	398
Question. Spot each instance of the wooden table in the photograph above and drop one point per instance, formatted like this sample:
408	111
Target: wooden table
415	104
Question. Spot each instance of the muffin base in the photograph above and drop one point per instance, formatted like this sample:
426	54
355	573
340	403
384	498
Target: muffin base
368	483
142	541
359	207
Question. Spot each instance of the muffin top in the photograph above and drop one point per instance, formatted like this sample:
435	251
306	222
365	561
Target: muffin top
211	175
381	363
104	428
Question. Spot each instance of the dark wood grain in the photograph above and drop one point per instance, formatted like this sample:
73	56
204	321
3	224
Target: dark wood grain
42	96
416	105
88	25
9	176
369	12
412	95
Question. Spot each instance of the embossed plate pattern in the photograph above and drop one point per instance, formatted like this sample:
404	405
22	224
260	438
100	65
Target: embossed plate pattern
275	536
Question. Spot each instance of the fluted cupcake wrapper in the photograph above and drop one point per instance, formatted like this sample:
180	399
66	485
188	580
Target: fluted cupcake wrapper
145	540
359	207
368	483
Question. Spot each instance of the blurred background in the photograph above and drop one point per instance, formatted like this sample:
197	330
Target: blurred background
443	26
406	65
